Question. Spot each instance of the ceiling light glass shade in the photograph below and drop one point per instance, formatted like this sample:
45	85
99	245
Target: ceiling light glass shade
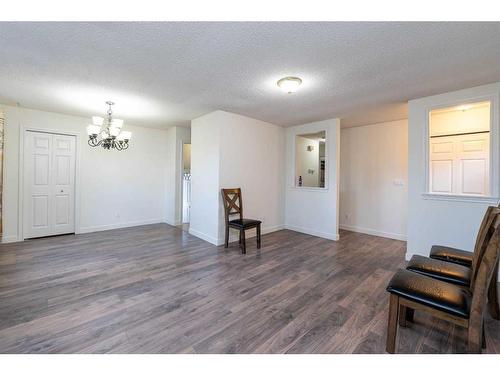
289	84
97	120
104	135
125	135
117	123
114	131
93	129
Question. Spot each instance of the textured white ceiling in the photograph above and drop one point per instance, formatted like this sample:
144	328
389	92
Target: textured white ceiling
165	74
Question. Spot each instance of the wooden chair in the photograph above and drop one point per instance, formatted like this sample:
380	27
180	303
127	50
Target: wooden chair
459	256
444	300
458	273
231	199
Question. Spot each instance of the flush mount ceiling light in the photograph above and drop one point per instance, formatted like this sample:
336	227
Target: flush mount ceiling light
289	84
107	132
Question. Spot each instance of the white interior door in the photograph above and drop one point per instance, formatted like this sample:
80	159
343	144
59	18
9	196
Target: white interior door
460	164
49	184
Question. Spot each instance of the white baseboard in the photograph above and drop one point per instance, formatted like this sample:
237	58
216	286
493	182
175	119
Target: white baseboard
394	236
312	232
172	222
233	236
203	236
99	228
7	239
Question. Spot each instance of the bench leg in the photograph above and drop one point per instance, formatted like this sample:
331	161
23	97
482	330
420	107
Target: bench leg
392	325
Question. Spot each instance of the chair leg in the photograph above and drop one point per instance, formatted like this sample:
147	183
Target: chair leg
483	344
402	315
392	325
493	295
243	241
474	338
258	236
409	314
226	241
239	241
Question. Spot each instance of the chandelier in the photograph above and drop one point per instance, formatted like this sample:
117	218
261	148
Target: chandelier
106	132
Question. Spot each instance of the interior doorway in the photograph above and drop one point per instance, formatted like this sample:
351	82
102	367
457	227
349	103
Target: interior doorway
186	185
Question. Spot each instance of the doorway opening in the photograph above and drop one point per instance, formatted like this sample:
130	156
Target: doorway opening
186	185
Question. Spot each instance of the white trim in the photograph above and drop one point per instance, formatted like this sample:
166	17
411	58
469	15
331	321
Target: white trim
7	239
172	223
181	181
233	237
494	145
461	198
313	232
20	193
373	232
310	189
203	236
99	228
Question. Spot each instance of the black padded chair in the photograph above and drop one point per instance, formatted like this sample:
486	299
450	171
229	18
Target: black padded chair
458	256
462	306
462	271
233	205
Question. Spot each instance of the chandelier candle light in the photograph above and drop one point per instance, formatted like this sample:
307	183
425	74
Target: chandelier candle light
106	132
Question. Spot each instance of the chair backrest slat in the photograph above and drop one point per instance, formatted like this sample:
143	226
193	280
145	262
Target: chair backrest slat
233	204
493	224
485	272
484	234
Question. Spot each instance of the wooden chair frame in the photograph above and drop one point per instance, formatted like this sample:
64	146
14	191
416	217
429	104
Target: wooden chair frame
233	205
401	309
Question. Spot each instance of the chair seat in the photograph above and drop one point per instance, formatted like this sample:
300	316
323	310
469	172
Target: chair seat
244	223
440	295
441	270
450	254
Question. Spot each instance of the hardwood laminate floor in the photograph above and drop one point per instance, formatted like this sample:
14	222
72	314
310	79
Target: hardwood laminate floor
157	289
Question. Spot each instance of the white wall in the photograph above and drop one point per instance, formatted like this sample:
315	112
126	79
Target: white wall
314	210
177	136
205	160
228	151
252	157
443	220
373	161
117	189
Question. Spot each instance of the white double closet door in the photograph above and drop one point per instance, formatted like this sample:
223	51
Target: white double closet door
49	184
